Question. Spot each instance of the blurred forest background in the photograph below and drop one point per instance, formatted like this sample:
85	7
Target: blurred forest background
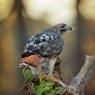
19	19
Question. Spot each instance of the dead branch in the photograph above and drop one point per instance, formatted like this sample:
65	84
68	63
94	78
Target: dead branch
82	78
78	83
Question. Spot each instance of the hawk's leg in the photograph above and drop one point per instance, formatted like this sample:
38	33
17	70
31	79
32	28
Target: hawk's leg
46	68
43	68
50	75
51	65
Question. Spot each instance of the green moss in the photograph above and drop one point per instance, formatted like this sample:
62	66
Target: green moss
44	87
27	74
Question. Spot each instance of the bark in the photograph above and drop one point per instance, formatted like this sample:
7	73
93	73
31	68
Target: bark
79	82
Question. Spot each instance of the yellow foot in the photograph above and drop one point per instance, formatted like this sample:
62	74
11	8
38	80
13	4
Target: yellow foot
42	77
52	78
46	77
56	80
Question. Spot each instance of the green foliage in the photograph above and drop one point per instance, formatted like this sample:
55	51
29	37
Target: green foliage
43	87
27	74
48	88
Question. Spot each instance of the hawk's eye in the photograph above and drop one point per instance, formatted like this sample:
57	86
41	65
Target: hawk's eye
63	29
64	25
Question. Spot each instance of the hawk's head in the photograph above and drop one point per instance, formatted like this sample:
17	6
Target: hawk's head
62	28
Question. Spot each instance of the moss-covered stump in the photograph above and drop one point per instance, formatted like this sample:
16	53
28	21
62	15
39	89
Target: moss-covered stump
34	86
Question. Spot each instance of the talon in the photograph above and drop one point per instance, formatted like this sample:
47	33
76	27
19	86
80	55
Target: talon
50	77
54	79
42	77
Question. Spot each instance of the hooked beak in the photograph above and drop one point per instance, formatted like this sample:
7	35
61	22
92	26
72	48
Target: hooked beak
65	28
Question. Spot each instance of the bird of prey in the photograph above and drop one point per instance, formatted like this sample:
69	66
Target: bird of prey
43	48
